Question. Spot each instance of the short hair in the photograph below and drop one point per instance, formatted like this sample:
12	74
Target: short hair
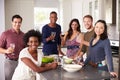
32	33
53	12
17	16
104	34
88	16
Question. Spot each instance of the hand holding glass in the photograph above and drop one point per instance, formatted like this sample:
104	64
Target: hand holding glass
53	34
12	45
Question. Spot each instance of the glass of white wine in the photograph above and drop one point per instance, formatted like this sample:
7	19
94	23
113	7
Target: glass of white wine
12	45
53	34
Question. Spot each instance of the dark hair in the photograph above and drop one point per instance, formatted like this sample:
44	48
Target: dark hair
17	16
32	33
53	12
104	35
70	31
88	16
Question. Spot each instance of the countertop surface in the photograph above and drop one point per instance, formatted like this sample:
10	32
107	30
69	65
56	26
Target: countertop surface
86	73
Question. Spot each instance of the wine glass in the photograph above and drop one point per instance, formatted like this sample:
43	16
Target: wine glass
12	45
62	62
53	34
56	58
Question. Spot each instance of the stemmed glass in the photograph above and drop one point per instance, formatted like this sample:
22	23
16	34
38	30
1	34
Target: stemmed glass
56	59
53	34
12	45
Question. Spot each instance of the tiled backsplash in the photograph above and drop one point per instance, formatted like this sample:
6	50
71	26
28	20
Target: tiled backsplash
113	33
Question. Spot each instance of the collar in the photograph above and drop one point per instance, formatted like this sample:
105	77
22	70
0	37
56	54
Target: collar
13	30
91	29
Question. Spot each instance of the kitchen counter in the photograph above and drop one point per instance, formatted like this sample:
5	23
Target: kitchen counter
40	47
86	73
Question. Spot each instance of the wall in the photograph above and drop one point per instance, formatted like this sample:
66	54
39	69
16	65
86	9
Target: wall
2	28
46	3
71	9
77	11
2	16
25	8
67	13
74	9
83	10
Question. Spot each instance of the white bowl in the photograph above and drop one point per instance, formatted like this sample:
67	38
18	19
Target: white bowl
72	67
67	60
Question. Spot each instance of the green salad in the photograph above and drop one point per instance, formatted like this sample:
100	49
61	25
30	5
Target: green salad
47	59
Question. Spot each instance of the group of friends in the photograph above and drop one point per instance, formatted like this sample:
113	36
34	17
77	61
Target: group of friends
22	62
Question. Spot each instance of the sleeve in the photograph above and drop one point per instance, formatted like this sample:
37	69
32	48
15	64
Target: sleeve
89	55
24	53
108	54
87	60
3	40
44	34
83	49
59	39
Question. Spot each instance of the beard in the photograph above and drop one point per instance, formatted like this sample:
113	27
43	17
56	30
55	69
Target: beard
89	27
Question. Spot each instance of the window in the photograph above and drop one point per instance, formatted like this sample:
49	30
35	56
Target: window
41	16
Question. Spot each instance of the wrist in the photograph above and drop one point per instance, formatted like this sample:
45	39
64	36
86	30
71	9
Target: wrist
6	51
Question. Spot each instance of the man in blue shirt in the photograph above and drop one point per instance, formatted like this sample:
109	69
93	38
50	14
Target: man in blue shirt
51	36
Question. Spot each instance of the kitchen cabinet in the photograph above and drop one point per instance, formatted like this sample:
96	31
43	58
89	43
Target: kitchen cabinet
110	11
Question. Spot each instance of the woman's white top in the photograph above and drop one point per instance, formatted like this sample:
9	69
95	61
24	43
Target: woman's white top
22	71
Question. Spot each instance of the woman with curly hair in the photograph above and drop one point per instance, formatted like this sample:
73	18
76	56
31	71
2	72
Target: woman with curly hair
30	58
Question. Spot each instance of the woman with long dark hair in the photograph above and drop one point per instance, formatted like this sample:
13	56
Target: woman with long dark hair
100	54
71	39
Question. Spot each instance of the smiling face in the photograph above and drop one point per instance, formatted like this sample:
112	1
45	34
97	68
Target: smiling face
33	43
16	24
53	18
99	28
74	25
87	23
